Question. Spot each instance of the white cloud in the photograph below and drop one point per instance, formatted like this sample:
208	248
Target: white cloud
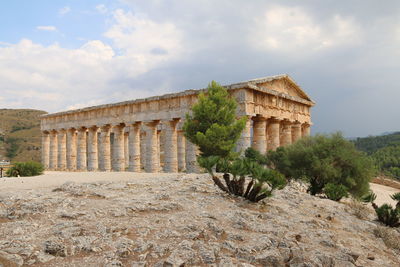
143	42
55	78
4	43
289	29
101	9
46	28
64	10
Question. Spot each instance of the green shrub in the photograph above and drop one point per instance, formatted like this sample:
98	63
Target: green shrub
22	169
388	215
255	156
335	191
12	147
369	198
324	159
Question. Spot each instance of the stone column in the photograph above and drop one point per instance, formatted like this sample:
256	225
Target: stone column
62	150
134	147
143	149
171	147
126	150
245	139
53	150
118	148
152	157
286	134
105	149
71	149
46	150
81	160
273	134
159	150
296	131
93	162
259	134
181	151
191	157
306	130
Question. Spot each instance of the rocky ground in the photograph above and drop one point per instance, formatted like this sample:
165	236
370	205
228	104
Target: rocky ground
182	220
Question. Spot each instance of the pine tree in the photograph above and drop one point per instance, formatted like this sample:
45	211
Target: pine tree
213	126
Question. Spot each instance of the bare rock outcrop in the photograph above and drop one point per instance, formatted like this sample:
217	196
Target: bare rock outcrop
182	221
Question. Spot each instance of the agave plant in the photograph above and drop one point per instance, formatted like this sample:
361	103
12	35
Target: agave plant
388	215
243	177
396	197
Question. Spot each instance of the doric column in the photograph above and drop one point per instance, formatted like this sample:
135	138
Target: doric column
286	133
296	131
62	150
126	150
46	149
152	157
71	149
93	162
159	150
259	134
53	150
118	148
181	151
143	149
105	149
245	139
306	129
134	147
171	147
191	157
81	160
273	134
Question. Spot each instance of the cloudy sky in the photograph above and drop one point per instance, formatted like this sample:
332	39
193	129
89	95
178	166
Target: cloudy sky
58	55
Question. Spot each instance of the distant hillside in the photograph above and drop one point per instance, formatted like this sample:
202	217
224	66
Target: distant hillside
371	144
20	138
385	149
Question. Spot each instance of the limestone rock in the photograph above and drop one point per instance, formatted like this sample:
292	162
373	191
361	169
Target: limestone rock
11	258
55	247
140	226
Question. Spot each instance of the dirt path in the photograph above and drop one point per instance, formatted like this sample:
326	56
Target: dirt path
53	179
383	193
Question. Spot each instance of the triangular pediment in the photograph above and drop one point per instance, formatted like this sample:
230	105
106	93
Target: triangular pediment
281	84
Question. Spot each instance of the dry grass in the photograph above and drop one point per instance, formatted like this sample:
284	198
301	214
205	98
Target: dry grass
23	125
391	237
358	209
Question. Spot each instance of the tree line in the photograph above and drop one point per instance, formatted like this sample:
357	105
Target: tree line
384	150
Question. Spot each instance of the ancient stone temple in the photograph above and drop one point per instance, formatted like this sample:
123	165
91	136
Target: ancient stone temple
146	134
